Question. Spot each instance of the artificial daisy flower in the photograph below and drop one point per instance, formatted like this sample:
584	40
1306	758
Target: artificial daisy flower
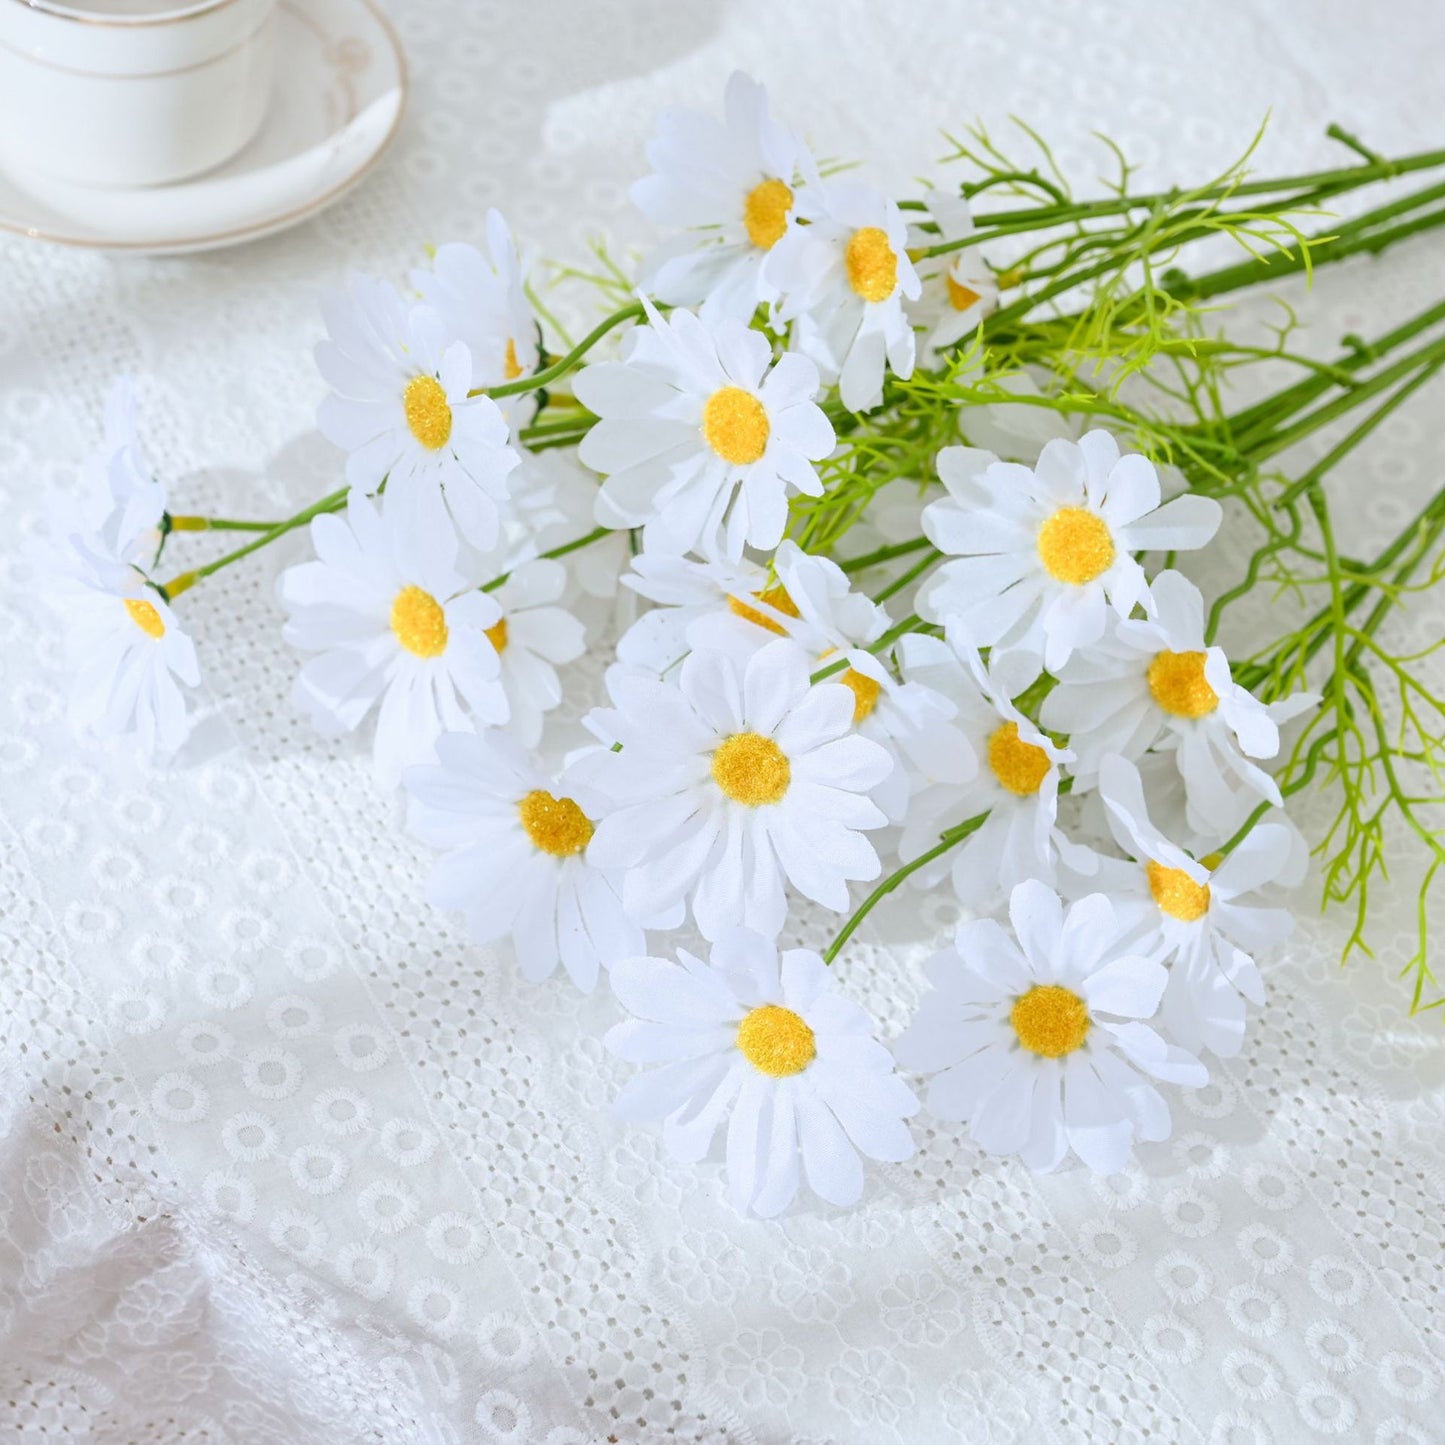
960	289
1040	553
1194	913
394	627
1035	1038
122	496
481	298
1155	683
844	278
698	604
767	1043
128	652
516	857
1015	782
532	637
731	782
554	498
731	184
703	436
118	506
908	718
1022	419
401	408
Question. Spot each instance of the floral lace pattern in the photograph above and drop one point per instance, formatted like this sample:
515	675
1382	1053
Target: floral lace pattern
283	1158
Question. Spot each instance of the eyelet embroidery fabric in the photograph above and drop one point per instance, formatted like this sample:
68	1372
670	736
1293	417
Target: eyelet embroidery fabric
283	1158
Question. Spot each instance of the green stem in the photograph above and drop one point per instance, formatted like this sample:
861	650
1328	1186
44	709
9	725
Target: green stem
1286	203
560	368
186	580
912	623
1389	211
1428	536
212	524
1287	789
575	545
1317	251
1294	398
1316	473
884	554
993	224
580	424
915	571
951	839
1421	531
1426	356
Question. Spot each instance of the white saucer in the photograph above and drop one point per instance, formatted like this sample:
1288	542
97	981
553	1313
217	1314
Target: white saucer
340	90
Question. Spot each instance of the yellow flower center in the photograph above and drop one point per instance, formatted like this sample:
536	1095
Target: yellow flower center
1176	893
427	412
511	367
865	692
775	597
959	295
872	264
776	1042
1075	546
765	213
145	616
1178	684
419	623
555	825
751	769
735	425
496	634
1050	1021
1021	767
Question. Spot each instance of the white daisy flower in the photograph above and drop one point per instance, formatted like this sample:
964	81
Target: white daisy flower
703	436
908	718
729	605
516	857
731	783
127	652
394	627
960	289
1155	683
553	502
767	1043
533	637
118	506
481	298
731	184
1041	553
1194	914
1034	1038
400	406
123	497
1015	781
844	278
1019	430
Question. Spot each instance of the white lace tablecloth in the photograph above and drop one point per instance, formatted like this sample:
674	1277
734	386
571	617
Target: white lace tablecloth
283	1158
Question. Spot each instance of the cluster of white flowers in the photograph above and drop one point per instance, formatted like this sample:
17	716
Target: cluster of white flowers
732	782
127	653
1051	737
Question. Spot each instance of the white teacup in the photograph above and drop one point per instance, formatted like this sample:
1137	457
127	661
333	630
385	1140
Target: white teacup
131	92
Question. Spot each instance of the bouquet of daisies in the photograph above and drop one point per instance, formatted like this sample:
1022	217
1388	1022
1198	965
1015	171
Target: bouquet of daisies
899	489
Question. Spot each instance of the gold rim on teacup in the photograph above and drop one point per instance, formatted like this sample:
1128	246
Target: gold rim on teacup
61	11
